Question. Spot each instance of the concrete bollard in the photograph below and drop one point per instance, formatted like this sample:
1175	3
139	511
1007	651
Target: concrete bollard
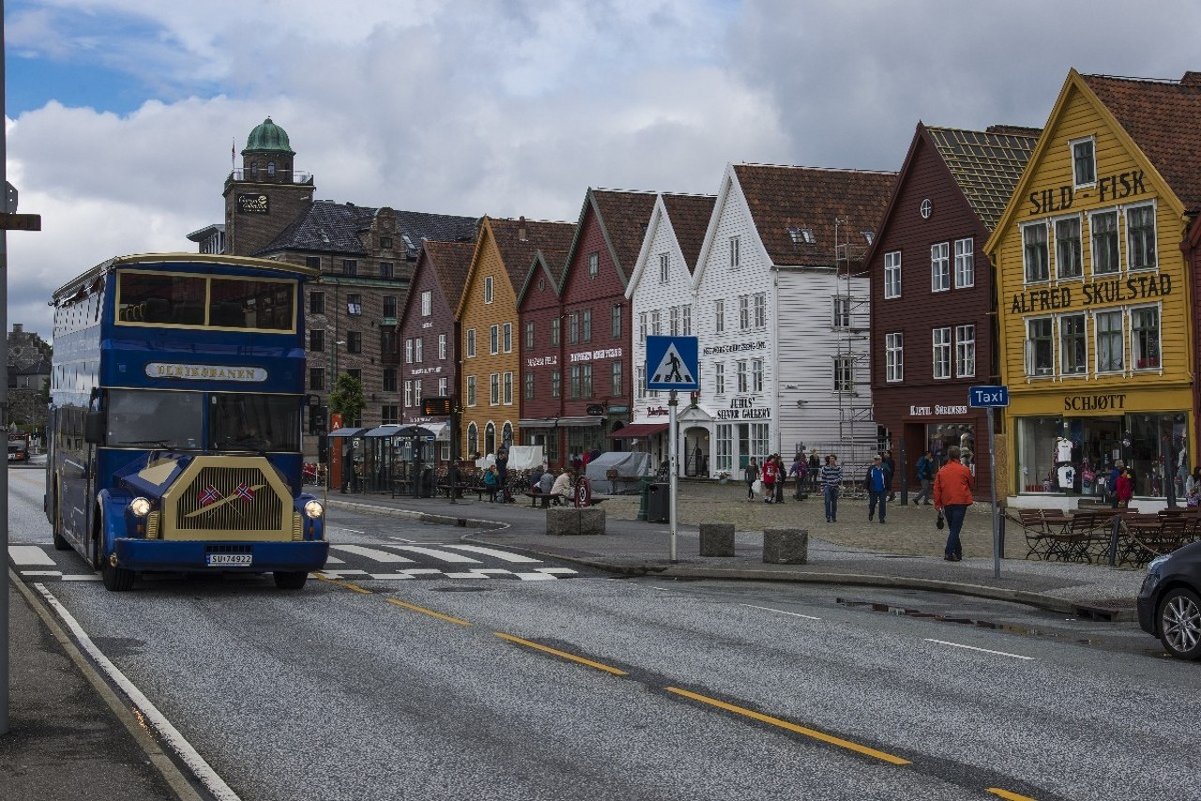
717	539
570	520
785	546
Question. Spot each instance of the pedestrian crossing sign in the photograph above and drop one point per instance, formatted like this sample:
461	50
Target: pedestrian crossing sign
671	363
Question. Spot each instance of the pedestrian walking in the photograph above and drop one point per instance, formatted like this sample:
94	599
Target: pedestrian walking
770	474
831	481
750	474
876	484
952	497
1115	473
890	469
800	472
502	473
781	477
925	477
815	469
1124	490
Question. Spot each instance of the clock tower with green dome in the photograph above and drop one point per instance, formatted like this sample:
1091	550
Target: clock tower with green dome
266	194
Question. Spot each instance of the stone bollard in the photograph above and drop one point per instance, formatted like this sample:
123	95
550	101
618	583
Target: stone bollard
570	520
717	539
785	546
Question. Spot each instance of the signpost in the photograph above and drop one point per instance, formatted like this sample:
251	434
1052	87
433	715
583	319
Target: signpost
672	364
991	397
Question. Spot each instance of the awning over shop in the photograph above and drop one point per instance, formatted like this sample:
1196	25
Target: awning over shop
638	430
538	422
579	422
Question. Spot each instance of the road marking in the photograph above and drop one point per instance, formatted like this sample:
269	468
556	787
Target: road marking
87	577
190	756
422	610
1008	796
981	650
780	611
333	560
534	577
445	556
333	574
561	571
502	555
784	724
562	654
58	573
373	553
29	555
391	576
471	575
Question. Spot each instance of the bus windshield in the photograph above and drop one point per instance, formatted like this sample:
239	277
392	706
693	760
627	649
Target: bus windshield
156	419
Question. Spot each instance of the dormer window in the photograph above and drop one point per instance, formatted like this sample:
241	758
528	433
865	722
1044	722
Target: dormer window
802	236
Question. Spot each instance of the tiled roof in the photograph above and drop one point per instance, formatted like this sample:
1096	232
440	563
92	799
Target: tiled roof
552	238
1162	118
450	261
623	218
785	202
334	228
689	215
986	164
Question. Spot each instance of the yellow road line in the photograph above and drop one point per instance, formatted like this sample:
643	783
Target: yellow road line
784	724
1008	796
345	584
421	609
561	654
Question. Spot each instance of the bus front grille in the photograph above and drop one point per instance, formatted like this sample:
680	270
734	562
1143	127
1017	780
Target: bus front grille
232	499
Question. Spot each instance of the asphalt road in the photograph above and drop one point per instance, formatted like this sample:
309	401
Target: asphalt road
601	688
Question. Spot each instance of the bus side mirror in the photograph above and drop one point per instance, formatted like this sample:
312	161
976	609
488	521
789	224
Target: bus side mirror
93	428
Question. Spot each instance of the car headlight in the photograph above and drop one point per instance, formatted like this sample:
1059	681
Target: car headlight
314	509
139	506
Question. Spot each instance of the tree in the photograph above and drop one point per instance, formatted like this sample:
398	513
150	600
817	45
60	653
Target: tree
347	399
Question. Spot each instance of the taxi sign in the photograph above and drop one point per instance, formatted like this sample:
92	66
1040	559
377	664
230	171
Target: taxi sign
984	397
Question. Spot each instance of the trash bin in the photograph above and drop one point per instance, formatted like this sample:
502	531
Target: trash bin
427	482
658	503
644	489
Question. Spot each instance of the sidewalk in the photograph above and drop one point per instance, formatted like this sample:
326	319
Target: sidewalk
905	552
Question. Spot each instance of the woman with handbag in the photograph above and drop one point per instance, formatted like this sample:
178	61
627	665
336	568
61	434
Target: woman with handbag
952	497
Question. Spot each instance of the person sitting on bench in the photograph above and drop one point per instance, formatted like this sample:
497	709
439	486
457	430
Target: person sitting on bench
561	489
492	482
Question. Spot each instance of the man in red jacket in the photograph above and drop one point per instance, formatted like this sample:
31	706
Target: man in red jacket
952	497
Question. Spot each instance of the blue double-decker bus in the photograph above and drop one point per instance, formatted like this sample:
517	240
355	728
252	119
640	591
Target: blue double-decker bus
175	419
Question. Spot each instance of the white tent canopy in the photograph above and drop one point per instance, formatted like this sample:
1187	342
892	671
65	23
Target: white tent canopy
630	466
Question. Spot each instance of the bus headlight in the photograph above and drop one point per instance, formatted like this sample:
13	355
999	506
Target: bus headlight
314	509
139	506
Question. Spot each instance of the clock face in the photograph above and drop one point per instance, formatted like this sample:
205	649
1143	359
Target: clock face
926	209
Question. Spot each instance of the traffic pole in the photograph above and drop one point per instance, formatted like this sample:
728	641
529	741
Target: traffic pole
4	686
673	401
996	519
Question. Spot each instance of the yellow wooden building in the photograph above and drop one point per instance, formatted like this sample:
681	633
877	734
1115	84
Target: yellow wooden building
1094	314
489	348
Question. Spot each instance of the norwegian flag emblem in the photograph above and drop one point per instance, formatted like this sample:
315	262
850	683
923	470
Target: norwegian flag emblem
244	492
209	495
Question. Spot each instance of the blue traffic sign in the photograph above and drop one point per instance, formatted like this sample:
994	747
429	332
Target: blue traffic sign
984	397
672	363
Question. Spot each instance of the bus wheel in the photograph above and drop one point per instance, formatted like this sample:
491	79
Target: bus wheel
60	542
290	579
116	579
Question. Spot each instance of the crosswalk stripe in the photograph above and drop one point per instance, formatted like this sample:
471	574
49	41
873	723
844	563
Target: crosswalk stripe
445	556
86	577
562	571
472	575
373	553
29	555
58	573
502	555
534	577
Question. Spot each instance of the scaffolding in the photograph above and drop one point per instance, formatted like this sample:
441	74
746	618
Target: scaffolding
852	353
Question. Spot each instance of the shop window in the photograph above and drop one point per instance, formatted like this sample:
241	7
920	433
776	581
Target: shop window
1084	163
892	274
894	357
1145	338
1040	347
725	447
1105	242
941	340
965	262
1068	263
1073	349
965	351
1034	252
1110	342
940	267
1140	238
1036	452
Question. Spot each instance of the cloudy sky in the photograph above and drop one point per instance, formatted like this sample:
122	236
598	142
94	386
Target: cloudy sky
121	113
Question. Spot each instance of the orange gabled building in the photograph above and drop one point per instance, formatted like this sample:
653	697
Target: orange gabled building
489	350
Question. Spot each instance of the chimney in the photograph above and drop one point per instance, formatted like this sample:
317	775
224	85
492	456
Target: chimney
521	234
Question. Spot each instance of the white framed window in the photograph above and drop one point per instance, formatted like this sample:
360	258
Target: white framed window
427	303
642	326
735	252
586	380
965	262
586	325
686	320
408	351
508	389
740	370
673	320
760	310
487	289
1073	347
471	390
1069	262
844	374
1111	344
940	267
842	311
556	384
724	457
1084	162
615	321
965	351
529	385
417	392
506	337
616	380
441	346
1104	227
530	339
1034	252
1140	238
892	274
656	323
442	386
744	312
493	339
494	389
470	343
756	375
1040	347
573	328
942	352
760	446
664	264
555	329
1145	338
417	349
593	265
408	393
719	378
719	316
894	357
640	381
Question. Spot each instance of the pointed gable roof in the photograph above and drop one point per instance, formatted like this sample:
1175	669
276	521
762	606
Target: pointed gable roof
986	165
1162	118
786	200
450	262
689	216
519	240
622	216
